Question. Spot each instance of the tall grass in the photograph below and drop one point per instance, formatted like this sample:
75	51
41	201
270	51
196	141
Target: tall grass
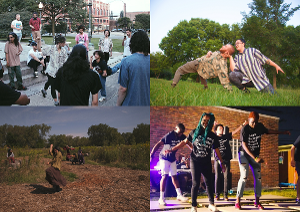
131	156
192	94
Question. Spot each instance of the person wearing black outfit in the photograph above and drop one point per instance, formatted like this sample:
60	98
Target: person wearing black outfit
226	154
201	140
295	162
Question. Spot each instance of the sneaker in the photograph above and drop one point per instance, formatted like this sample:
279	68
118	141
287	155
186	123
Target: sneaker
22	88
259	206
44	93
102	98
238	206
161	201
182	198
213	208
217	197
56	103
298	201
226	198
194	209
245	90
35	74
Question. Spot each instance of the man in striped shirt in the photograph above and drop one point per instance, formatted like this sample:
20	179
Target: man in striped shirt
247	69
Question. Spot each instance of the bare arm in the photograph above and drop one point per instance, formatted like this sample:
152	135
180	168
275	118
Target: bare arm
239	128
232	64
95	99
37	59
279	132
23	100
155	148
7	61
293	163
271	63
121	95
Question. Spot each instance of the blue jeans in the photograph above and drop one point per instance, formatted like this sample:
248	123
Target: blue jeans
103	79
244	162
19	35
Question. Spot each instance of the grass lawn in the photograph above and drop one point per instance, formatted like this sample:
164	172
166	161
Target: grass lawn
117	43
188	93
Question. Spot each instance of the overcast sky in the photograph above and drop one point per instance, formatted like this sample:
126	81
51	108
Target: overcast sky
116	6
76	120
166	14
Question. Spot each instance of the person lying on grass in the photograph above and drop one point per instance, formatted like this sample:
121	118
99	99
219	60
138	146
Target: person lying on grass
53	175
209	66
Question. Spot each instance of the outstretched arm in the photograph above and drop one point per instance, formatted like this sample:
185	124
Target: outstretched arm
279	132
271	63
239	128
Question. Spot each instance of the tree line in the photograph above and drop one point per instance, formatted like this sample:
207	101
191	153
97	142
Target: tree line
263	28
37	136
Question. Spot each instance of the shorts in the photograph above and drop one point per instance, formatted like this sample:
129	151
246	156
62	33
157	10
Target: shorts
168	167
297	167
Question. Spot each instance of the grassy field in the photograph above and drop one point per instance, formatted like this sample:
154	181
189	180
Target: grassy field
49	40
188	93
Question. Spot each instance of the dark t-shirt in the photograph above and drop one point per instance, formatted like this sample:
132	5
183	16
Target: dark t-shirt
225	149
102	65
8	96
77	92
202	151
297	150
170	140
252	137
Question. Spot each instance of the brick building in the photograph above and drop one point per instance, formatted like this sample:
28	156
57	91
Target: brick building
164	119
100	14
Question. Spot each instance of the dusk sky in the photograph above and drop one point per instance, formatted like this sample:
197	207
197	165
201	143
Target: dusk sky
76	120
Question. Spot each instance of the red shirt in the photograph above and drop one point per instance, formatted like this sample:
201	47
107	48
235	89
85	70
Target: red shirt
35	23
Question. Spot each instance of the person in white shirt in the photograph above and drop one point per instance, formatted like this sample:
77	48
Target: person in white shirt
35	58
17	27
126	42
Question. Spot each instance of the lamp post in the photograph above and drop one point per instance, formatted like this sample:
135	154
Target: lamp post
40	9
90	20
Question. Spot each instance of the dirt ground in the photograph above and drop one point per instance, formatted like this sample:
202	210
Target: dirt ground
98	188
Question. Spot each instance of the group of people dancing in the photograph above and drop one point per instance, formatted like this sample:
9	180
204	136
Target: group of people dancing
73	76
201	141
246	68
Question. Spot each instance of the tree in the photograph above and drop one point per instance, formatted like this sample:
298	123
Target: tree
124	22
104	135
142	21
56	9
128	138
190	40
264	26
141	133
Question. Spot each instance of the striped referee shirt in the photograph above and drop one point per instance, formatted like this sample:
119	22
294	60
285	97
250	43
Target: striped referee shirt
250	64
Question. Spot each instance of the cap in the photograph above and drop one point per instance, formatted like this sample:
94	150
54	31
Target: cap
33	43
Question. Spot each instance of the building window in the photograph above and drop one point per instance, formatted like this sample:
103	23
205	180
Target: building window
101	12
94	11
97	11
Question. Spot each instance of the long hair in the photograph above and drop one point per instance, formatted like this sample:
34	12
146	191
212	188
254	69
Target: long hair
16	41
140	42
199	129
76	64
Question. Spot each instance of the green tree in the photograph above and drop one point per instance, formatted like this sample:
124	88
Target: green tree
124	22
190	40
264	27
104	135
141	133
142	21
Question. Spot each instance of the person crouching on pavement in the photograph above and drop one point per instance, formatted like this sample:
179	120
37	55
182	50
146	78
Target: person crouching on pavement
53	175
35	58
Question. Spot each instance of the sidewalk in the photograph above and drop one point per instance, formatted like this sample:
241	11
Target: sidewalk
270	202
35	85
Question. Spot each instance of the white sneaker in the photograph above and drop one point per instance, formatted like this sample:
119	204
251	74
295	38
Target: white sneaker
182	198
161	201
101	99
194	209
213	208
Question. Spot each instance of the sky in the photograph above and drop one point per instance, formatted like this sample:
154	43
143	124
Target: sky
116	6
166	14
76	120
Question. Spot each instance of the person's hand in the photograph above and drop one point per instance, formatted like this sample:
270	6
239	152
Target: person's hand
287	132
208	54
91	59
167	151
7	64
51	145
48	163
259	160
293	163
278	69
223	166
245	123
104	73
42	62
110	54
